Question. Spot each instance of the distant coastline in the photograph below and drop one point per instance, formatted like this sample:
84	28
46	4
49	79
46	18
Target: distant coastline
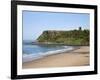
49	43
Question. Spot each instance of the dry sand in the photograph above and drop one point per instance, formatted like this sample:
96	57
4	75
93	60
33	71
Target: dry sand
77	57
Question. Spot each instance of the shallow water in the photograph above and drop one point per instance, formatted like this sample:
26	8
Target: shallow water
36	51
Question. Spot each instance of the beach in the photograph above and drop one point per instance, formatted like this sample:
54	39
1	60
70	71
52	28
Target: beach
77	57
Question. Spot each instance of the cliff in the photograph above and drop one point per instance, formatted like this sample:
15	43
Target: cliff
72	37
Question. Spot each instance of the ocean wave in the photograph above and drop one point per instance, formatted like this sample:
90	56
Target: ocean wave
57	51
30	57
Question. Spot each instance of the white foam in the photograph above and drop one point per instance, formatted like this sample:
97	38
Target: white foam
57	51
30	57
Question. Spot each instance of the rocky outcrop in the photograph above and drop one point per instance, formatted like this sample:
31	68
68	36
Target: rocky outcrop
72	37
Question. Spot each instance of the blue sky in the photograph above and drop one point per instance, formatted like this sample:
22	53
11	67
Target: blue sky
34	23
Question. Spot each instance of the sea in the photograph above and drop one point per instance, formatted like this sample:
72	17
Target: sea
32	51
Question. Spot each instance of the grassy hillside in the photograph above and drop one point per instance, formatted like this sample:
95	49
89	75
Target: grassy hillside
72	37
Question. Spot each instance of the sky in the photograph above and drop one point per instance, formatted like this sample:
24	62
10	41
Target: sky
34	23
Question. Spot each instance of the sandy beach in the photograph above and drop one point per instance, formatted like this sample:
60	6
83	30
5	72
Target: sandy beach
78	57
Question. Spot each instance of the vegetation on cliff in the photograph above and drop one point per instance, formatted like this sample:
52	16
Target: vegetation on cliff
72	37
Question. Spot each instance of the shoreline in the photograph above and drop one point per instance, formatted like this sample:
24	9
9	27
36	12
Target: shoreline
76	57
49	53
